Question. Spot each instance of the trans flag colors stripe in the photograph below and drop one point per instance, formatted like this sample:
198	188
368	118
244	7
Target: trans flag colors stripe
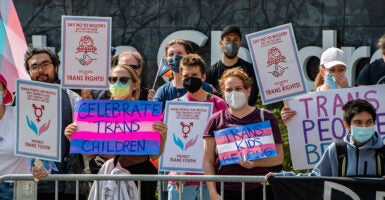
251	142
12	45
116	127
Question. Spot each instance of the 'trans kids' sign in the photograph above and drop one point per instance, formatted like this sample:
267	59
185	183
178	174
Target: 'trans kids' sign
319	122
276	64
116	127
38	120
251	142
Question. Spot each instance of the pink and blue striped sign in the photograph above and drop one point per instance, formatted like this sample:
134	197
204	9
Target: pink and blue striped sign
251	142
116	127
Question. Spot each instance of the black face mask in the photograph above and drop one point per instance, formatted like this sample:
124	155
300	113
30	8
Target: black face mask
192	84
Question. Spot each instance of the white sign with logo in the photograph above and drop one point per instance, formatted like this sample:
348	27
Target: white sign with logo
38	120
276	63
86	51
184	145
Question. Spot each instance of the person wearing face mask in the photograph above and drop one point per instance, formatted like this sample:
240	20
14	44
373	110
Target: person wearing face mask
175	50
331	76
125	85
231	41
362	144
236	87
192	69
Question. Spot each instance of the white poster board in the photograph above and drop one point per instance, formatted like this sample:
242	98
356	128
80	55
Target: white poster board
86	59
276	63
38	120
184	145
319	121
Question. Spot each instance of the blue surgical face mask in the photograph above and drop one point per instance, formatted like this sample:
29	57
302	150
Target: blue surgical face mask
119	90
329	80
174	62
362	134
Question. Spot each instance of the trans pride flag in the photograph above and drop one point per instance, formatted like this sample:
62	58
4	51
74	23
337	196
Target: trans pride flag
12	45
251	142
116	127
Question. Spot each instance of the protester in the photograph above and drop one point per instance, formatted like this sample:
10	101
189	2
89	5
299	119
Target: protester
231	41
135	61
331	75
192	70
125	85
175	50
42	65
361	146
11	164
236	86
374	73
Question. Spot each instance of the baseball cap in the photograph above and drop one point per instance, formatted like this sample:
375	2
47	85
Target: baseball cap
8	97
231	29
332	57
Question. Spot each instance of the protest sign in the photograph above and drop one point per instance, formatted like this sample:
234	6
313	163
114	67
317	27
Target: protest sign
251	142
319	122
86	51
38	122
186	122
276	64
116	127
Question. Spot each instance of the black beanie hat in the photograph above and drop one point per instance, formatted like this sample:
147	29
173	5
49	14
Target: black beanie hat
231	29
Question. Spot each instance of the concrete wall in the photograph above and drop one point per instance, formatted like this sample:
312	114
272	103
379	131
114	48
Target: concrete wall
144	24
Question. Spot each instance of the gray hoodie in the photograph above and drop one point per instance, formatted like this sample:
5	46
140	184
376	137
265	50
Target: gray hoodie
357	159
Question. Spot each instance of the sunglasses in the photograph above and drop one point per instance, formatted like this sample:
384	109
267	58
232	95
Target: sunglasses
123	80
135	67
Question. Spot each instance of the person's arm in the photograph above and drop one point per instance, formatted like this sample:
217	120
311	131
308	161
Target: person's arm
162	129
209	169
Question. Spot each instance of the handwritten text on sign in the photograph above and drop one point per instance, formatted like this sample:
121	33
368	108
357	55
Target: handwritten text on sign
319	122
116	127
253	142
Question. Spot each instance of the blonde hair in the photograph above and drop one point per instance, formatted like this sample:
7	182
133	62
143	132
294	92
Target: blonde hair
134	77
319	79
134	54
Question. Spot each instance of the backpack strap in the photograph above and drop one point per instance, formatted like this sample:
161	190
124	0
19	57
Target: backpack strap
261	114
380	161
341	156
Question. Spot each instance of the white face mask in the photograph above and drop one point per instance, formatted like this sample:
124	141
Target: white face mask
235	99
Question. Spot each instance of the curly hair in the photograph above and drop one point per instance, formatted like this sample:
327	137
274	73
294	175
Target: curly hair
237	72
39	50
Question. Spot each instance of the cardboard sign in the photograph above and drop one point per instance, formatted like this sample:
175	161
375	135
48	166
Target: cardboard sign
186	122
252	141
276	64
116	127
319	122
38	120
86	51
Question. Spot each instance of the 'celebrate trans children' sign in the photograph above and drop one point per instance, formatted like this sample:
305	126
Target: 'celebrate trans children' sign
251	142
116	127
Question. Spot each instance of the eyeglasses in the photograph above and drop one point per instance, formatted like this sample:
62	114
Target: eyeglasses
43	66
135	67
123	80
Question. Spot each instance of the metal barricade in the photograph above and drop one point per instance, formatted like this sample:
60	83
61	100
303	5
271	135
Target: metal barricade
26	188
